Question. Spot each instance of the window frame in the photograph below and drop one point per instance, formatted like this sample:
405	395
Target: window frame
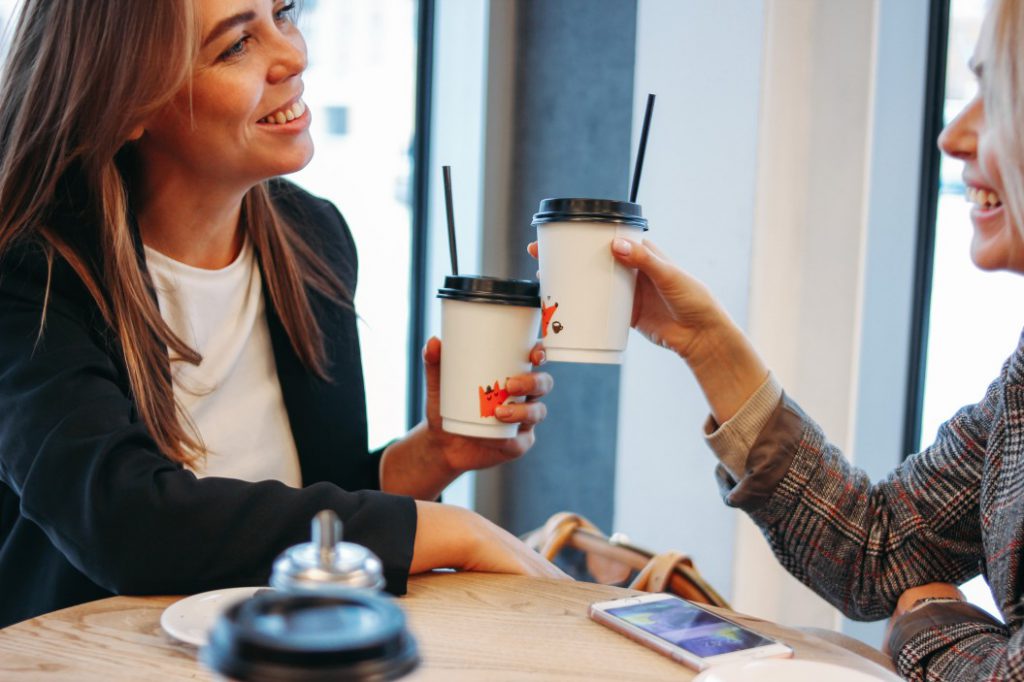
420	208
928	204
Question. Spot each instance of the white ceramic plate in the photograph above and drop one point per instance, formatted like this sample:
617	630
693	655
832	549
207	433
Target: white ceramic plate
783	670
191	618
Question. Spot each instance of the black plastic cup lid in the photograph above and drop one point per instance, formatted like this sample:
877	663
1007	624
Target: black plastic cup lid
589	210
286	637
524	292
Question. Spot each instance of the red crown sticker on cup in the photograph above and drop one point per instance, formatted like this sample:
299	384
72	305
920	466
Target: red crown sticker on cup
491	397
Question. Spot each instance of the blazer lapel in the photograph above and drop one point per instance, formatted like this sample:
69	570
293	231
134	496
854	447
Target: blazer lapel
328	419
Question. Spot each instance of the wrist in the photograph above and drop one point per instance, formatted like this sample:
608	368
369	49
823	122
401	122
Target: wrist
433	444
415	465
917	597
925	601
726	366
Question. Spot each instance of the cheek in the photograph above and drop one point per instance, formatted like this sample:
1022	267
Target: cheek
989	161
226	102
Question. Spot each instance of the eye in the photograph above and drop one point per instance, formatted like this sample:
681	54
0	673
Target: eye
236	50
285	13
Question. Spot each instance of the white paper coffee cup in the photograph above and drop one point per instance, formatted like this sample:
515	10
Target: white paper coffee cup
586	295
488	328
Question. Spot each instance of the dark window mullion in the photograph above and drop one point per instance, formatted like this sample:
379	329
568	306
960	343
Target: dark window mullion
928	198
420	207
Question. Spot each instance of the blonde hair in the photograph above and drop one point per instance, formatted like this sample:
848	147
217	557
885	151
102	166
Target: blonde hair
1001	54
79	77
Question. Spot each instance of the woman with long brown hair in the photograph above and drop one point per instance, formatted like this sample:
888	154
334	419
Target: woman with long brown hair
180	382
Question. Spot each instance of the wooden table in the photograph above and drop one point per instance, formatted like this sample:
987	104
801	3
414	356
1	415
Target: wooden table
470	626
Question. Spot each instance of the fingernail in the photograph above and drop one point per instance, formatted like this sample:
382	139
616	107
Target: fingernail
513	386
621	246
502	411
542	357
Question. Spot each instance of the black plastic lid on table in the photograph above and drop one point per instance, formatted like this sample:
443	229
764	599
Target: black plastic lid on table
284	637
524	292
589	210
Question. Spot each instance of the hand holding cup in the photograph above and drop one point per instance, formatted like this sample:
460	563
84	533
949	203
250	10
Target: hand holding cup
464	453
670	308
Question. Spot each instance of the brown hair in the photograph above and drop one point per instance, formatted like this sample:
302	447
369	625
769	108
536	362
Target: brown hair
80	76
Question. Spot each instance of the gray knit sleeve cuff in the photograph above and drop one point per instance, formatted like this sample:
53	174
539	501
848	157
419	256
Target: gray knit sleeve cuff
731	441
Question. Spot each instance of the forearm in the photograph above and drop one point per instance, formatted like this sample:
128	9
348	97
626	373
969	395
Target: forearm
169	532
858	545
726	366
452	537
444	537
412	466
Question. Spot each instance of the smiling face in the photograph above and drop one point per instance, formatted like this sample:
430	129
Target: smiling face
243	119
997	243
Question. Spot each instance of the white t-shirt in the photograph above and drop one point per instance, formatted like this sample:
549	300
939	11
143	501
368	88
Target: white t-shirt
233	396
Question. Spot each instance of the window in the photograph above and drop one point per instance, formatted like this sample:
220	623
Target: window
969	333
361	88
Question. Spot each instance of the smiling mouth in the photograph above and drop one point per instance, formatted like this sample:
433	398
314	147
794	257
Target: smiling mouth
286	114
985	199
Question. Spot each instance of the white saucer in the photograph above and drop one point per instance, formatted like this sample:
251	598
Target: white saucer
783	669
191	618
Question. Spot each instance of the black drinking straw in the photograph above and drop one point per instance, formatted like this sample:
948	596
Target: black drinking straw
642	149
447	171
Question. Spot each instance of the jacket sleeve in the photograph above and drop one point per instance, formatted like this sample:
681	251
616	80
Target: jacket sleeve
956	641
857	544
87	472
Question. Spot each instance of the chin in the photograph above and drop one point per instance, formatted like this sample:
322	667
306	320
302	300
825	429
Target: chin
291	159
990	259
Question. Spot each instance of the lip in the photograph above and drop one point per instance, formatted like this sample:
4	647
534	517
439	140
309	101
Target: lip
986	214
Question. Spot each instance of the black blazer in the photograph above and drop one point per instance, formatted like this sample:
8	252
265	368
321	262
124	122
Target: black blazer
89	507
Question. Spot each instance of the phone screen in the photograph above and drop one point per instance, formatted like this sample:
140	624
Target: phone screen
699	632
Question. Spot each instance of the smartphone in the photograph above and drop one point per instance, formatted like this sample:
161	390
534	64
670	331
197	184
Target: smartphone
684	631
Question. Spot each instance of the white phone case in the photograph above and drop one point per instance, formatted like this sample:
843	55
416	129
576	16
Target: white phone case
599	613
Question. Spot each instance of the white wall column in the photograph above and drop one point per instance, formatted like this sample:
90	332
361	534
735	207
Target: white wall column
808	245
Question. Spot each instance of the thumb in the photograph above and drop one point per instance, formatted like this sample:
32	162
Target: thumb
432	370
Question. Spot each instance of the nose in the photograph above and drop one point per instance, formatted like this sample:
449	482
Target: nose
289	57
959	139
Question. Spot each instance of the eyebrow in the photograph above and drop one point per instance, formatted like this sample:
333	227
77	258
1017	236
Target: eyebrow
225	25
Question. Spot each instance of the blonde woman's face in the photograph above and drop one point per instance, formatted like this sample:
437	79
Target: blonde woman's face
996	243
243	120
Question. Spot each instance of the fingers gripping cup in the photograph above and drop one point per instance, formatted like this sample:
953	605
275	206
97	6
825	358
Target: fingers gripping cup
488	328
586	296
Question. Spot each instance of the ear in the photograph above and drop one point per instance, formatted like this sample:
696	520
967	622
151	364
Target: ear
136	133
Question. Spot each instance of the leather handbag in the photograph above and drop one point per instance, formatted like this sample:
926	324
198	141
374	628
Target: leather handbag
614	561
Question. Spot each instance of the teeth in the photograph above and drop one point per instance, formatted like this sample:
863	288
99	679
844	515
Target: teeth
284	115
985	199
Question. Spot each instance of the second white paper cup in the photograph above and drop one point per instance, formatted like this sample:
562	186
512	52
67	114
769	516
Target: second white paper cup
483	343
586	295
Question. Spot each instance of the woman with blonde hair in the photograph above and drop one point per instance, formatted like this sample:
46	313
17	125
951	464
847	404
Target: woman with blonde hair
180	381
897	547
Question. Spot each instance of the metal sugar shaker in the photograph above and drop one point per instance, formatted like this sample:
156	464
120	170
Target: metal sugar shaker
327	565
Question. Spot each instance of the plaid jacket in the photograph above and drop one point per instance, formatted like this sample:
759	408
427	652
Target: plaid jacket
944	515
